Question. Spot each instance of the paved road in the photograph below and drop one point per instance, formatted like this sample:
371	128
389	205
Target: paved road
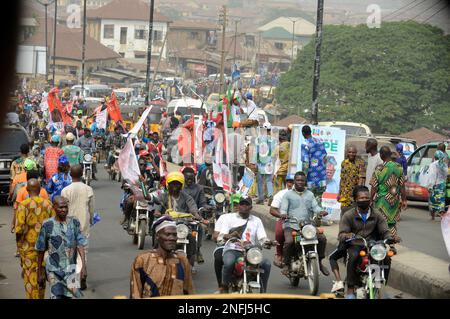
112	252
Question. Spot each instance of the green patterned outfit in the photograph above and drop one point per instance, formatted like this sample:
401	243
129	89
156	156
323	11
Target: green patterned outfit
388	180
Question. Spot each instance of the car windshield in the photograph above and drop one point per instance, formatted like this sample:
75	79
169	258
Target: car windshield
352	130
11	140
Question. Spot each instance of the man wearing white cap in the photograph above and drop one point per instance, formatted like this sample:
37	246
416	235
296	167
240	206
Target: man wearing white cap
73	152
161	271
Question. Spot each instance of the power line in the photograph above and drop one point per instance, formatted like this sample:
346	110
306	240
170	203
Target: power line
426	10
387	16
446	5
414	6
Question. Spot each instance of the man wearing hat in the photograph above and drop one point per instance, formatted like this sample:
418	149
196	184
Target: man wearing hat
87	145
248	228
73	152
51	156
161	271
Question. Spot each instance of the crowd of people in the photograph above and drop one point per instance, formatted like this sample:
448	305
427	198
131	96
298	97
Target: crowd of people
54	209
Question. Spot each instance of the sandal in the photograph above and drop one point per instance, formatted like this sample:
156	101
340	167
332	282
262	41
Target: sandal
278	262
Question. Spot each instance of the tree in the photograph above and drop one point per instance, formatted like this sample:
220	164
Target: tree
394	78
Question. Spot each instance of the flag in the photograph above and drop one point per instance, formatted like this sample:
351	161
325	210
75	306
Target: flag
54	102
114	109
135	130
445	227
128	163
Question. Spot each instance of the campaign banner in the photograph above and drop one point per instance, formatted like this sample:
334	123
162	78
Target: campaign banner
333	139
101	119
246	182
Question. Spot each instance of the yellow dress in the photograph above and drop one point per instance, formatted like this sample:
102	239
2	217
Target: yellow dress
30	215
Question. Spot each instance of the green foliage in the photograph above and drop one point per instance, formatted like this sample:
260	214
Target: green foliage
394	79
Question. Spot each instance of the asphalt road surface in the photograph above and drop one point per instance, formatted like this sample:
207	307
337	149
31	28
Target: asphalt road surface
111	253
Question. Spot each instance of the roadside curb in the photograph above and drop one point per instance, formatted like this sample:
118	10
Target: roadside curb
413	272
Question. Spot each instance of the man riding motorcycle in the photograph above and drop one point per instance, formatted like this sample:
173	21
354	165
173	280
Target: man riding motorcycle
114	140
246	227
87	145
363	221
40	133
176	204
197	193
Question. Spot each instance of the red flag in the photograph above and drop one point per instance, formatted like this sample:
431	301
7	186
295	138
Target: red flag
54	102
114	109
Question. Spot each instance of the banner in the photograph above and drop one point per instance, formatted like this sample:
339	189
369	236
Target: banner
101	119
333	139
137	127
114	109
246	182
128	163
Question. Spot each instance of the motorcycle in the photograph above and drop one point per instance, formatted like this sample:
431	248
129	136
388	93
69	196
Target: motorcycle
87	168
219	205
100	148
188	226
138	225
305	261
114	171
247	272
371	267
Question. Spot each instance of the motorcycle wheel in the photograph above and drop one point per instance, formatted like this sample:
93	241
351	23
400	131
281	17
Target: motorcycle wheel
141	234
313	276
88	178
119	177
294	281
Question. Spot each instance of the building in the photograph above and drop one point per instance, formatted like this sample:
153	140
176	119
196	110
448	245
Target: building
423	135
122	26
68	54
90	4
187	34
280	32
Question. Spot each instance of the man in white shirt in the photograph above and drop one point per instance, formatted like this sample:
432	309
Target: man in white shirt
252	113
373	161
275	212
247	228
81	205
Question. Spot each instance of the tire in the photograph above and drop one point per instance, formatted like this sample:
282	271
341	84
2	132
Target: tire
313	276
294	281
135	239
119	177
142	230
88	177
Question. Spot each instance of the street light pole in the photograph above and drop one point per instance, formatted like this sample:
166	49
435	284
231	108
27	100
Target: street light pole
83	52
46	3
54	42
149	52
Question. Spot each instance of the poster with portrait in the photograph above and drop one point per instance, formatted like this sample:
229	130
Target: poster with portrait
334	141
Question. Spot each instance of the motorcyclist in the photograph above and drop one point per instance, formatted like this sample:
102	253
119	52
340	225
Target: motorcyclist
114	140
246	227
367	222
40	133
87	145
301	204
154	143
197	193
177	203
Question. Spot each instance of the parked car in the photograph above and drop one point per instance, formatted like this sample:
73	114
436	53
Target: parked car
418	164
12	136
351	128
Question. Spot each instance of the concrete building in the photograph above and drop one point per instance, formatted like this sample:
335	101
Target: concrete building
122	26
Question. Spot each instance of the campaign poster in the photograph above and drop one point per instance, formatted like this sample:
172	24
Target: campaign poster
101	119
334	142
246	182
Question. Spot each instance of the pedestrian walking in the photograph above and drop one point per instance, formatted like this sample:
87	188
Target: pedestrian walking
31	213
73	152
388	189
51	156
353	171
81	205
61	179
373	160
436	184
161	271
61	238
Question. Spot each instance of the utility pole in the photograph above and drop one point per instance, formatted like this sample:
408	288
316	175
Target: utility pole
315	104
46	3
259	54
54	42
293	38
235	39
223	16
83	52
149	52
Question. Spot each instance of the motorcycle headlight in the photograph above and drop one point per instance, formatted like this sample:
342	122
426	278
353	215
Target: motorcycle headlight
87	157
378	252
254	256
219	198
309	231
182	231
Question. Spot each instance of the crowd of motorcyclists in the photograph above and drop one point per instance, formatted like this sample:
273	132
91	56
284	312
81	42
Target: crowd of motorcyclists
191	201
